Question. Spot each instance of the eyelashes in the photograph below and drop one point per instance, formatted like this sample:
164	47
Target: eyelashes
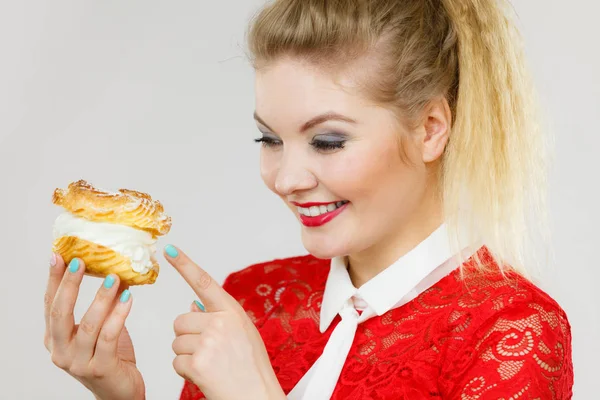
317	144
328	144
268	141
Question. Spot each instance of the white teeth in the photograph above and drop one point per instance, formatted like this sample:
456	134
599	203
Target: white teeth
315	211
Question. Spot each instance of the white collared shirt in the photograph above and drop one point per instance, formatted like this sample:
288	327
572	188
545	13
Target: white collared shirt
401	282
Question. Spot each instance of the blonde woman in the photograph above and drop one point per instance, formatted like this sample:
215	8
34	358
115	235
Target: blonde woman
402	136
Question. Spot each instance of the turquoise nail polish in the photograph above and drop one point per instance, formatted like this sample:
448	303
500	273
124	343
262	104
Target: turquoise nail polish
171	251
109	281
199	305
74	265
125	296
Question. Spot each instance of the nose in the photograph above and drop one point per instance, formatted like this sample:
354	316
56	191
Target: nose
294	175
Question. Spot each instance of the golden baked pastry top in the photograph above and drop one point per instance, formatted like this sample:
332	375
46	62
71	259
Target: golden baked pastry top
124	207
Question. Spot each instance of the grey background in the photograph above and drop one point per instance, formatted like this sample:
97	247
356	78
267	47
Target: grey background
157	96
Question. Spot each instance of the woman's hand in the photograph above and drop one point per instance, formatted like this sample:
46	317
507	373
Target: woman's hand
217	346
98	352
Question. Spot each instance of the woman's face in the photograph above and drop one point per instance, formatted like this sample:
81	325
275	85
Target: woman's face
334	158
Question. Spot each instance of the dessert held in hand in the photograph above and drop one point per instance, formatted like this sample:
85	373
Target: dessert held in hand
112	232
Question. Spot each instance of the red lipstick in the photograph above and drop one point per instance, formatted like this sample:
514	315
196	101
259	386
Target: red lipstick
320	219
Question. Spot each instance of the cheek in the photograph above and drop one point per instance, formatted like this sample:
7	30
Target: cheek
365	172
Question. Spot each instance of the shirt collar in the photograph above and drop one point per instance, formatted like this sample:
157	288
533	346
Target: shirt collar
397	284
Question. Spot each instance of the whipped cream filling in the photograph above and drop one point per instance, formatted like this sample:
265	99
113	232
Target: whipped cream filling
135	244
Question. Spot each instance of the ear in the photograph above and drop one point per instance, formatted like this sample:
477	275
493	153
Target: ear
436	126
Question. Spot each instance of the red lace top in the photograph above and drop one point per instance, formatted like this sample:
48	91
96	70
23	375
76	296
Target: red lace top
486	336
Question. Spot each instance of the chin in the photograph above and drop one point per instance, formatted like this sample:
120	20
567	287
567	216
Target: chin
324	246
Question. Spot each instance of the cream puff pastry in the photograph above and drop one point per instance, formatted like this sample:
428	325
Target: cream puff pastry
112	232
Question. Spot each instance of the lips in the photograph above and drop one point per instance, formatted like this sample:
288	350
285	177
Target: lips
318	214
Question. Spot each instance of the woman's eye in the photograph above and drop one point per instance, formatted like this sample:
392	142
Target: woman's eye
328	142
268	141
321	143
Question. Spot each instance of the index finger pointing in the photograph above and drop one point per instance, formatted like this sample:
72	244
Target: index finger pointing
206	288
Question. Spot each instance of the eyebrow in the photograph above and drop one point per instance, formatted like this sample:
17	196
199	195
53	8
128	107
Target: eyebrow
319	119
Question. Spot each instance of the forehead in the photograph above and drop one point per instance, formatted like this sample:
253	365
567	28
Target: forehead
291	89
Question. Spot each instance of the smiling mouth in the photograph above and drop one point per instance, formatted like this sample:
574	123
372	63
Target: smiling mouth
318	210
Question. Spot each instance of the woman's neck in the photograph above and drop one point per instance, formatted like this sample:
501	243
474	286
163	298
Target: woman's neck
365	265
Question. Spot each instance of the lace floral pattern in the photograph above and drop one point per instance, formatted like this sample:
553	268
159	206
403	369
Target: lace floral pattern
486	336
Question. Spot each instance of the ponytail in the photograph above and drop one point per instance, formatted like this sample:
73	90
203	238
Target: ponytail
495	156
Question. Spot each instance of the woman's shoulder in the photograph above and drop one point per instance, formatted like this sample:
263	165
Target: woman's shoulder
488	290
501	298
509	292
513	331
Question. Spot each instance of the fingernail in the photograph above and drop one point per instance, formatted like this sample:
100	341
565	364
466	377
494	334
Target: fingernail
171	251
74	265
109	281
53	259
125	296
199	305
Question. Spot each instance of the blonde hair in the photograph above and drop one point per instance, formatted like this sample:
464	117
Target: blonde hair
470	52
